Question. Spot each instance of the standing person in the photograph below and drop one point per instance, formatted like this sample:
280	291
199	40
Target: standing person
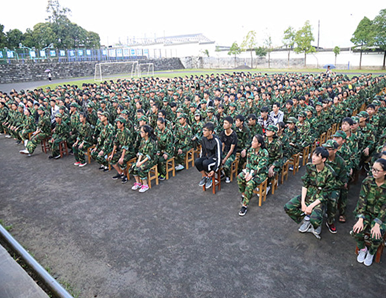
229	146
147	158
49	76
210	157
318	183
371	213
255	171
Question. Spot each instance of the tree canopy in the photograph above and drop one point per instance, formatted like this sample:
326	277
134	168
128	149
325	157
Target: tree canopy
303	39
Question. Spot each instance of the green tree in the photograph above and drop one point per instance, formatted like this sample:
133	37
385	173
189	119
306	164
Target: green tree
29	40
363	36
249	43
3	38
14	38
379	24
234	50
303	39
336	52
43	35
261	51
94	41
289	40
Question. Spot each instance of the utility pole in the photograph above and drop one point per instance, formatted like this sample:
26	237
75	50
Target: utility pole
318	32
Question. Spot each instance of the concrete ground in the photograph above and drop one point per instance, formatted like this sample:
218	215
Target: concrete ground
175	240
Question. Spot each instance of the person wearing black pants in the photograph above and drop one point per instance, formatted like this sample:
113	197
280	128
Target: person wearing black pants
210	156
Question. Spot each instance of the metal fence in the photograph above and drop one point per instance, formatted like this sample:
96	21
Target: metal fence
49	54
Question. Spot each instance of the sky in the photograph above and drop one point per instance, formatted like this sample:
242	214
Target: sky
221	21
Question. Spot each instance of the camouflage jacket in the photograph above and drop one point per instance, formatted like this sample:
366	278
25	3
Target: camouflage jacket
275	151
183	137
339	167
44	124
122	139
61	131
104	141
29	123
243	138
148	149
84	134
165	141
372	202
257	161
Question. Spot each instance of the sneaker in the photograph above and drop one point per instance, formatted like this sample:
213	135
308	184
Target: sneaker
305	225
124	179
268	189
81	165
161	177
315	232
179	167
362	255
105	168
118	176
50	157
25	151
77	163
291	168
227	180
369	259
57	157
102	167
18	142
144	188
136	186
243	210
202	181
208	183
8	136
331	228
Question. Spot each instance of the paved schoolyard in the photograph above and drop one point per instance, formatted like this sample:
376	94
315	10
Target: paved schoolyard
174	240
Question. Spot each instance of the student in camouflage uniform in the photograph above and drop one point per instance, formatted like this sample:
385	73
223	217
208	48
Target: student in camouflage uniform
74	123
368	136
121	152
228	139
339	166
60	133
255	172
104	142
293	136
183	141
243	140
304	131
197	127
146	158
28	126
165	142
371	213
318	181
3	115
43	131
83	141
275	151
253	126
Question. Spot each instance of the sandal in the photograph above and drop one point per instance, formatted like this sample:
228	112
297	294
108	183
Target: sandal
342	218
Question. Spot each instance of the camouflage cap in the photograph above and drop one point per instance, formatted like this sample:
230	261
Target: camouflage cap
272	128
183	115
242	99
193	105
143	118
74	105
58	115
331	144
180	110
302	114
318	103
90	105
125	112
355	119
292	120
363	114
203	101
41	108
340	134
106	114
62	108
120	119
210	110
232	104
376	102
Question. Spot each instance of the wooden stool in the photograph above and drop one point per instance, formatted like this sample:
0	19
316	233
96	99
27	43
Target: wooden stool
88	153
378	254
128	166
322	139
170	168
30	135
216	181
234	168
294	162
152	175
63	148
189	158
284	171
313	147
198	151
328	134
275	183
306	152
45	145
261	191
334	128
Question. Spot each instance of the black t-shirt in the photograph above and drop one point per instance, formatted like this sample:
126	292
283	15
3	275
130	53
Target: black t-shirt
228	141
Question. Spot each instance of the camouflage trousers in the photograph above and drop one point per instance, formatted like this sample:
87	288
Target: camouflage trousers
294	210
342	201
79	153
247	187
162	164
332	206
15	133
55	146
102	160
227	165
368	224
117	155
24	134
142	170
71	139
180	158
35	140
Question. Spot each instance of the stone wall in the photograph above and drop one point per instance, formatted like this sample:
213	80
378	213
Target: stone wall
31	71
239	63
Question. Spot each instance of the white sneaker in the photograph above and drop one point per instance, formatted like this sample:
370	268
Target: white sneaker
268	189
227	180
305	225
362	255
369	259
136	186
179	167
8	136
25	151
144	188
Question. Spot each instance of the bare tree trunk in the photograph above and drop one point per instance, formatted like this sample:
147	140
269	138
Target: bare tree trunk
335	60
360	60
305	59
384	60
288	57
251	60
269	59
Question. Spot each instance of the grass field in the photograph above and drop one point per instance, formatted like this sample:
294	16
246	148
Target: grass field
189	72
